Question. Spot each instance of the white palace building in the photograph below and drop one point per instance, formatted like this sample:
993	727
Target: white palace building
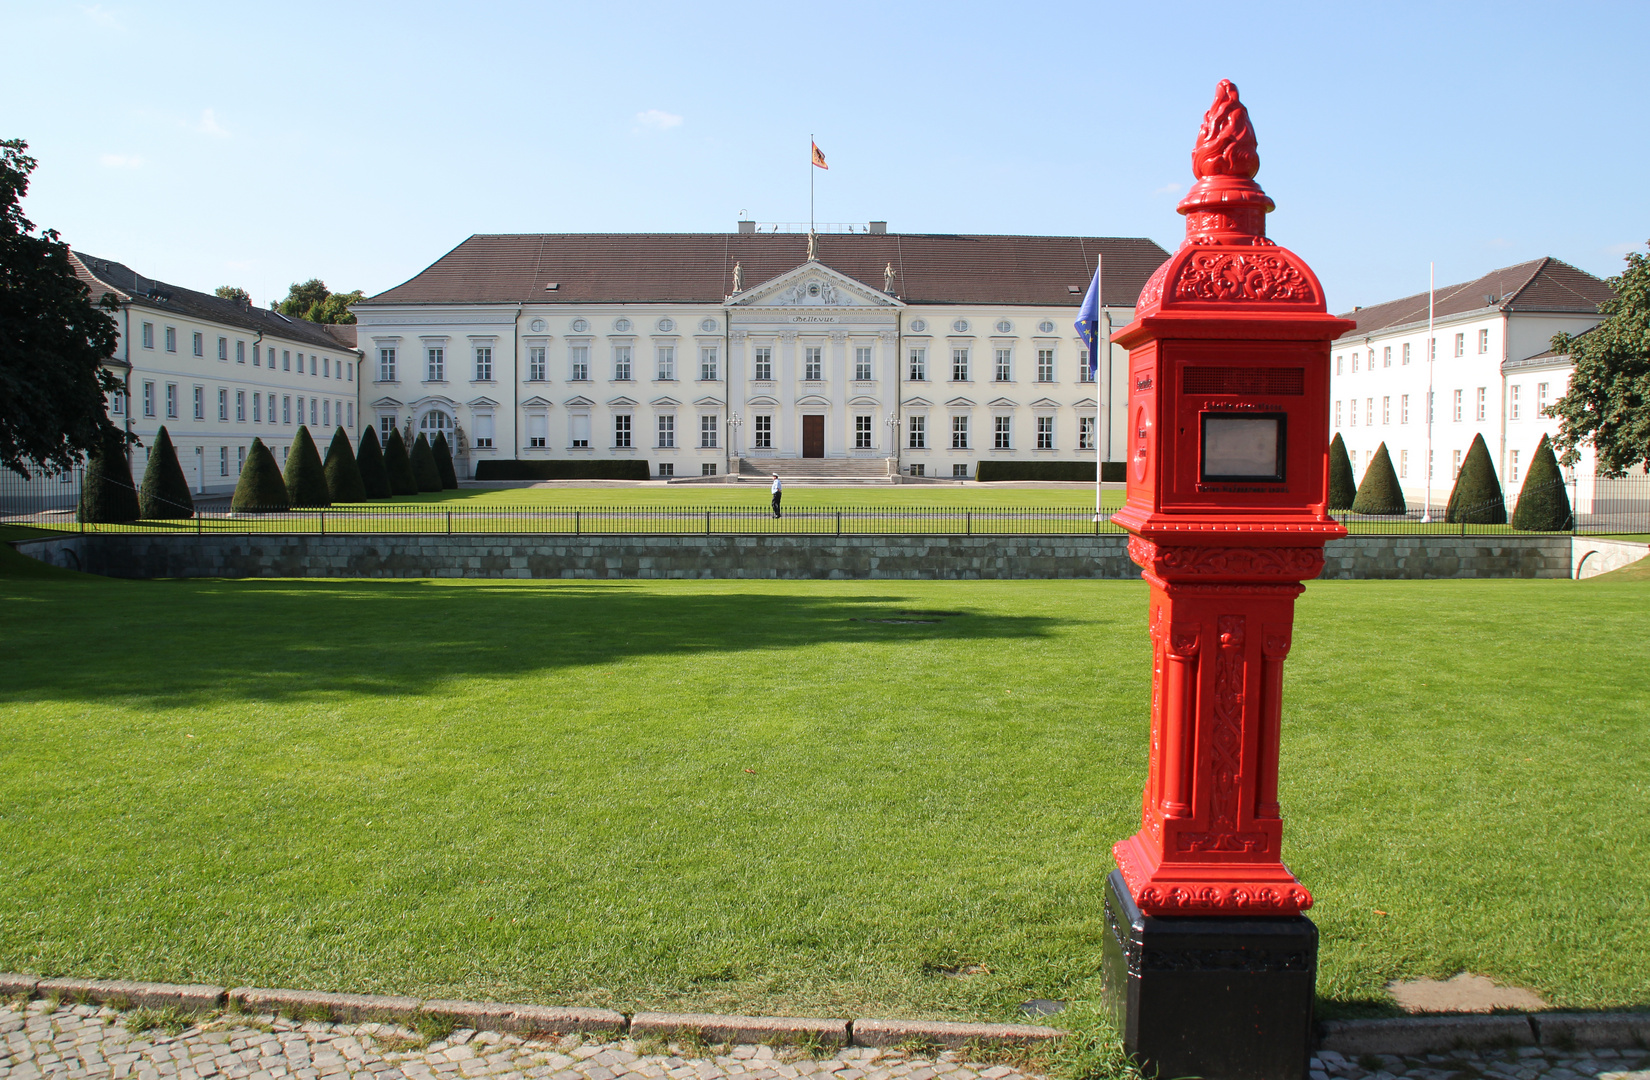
707	353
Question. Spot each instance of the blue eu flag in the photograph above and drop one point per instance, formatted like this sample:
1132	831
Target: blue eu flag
1088	323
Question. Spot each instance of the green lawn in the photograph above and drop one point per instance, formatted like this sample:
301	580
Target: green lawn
761	797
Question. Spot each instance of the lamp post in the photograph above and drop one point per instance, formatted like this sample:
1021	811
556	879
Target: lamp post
1210	967
734	421
892	420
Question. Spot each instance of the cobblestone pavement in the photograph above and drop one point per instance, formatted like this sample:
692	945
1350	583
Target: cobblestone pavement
73	1042
84	1041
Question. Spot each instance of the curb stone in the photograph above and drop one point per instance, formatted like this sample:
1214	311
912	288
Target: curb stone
1424	1034
342	1008
17	985
742	1029
1592	1029
949	1035
135	995
526	1019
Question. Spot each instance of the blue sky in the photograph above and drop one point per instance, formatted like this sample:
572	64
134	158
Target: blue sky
209	144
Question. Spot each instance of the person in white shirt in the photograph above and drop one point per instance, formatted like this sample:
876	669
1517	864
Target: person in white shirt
777	489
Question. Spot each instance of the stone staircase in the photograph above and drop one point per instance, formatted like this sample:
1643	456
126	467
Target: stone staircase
814	471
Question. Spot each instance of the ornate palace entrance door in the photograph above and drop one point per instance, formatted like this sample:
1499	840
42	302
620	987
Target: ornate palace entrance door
813	436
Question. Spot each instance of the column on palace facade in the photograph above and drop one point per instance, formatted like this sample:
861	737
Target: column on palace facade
887	362
838	388
788	439
739	391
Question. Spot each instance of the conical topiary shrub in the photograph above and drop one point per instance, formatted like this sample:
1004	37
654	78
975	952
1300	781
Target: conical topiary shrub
444	462
1543	503
1342	489
1476	498
164	494
106	493
369	461
425	474
1380	493
343	478
397	467
260	487
306	480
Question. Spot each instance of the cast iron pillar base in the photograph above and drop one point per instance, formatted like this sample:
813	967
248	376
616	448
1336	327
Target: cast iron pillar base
1222	998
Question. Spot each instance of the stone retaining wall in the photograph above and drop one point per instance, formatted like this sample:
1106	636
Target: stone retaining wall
131	555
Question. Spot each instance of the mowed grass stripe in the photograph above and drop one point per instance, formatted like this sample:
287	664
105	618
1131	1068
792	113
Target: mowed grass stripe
783	797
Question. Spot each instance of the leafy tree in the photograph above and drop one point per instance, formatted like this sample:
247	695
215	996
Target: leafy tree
233	292
1608	402
344	482
312	300
369	459
259	487
1342	489
1476	498
444	462
53	340
396	466
1543	504
1380	493
424	470
164	494
106	492
306	479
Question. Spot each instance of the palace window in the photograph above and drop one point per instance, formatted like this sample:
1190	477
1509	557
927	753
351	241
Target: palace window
537	368
1461	344
223	461
1482	404
666	470
1045	433
148	399
326	413
1403	463
1084	372
538	431
578	363
1369	412
200	403
240	459
862	363
272	419
257	408
1337	414
862	432
1512	402
348	405
667	430
1386	409
148	335
1045	365
1386	356
1003	433
484	431
707	432
916	432
1354	363
286	413
1455	465
435	369
171	401
665	362
762	363
1512	470
959	433
1005	365
1541	399
171	339
286	359
386	422
708	363
484	363
1085	433
959	471
918	364
117	403
326	365
621	365
959	365
240	406
707	469
1403	409
1406	354
813	367
312	412
621	430
579	431
1457	416
1352	412
1484	340
223	404
240	354
1338	357
762	432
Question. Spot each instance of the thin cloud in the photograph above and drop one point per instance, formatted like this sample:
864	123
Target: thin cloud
102	17
209	125
658	120
120	161
1621	249
1167	189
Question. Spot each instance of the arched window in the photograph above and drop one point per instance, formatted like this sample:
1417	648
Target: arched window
435	422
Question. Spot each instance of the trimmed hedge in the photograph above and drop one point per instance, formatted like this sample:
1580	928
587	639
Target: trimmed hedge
396	466
562	470
1380	493
1343	489
1543	504
306	479
1476	498
164	493
344	482
425	474
444	462
369	460
106	492
1075	472
260	486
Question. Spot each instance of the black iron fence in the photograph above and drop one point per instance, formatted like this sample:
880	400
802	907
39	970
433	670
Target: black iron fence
52	503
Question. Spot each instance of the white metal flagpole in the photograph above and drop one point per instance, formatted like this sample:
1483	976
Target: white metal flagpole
1099	395
1426	512
810	186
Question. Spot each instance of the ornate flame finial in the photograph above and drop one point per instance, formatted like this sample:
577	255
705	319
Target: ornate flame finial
1226	142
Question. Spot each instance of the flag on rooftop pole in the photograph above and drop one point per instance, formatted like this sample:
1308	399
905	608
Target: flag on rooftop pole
819	156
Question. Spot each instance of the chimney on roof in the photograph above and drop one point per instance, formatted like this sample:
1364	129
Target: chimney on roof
878	228
747	226
1490	299
1357	307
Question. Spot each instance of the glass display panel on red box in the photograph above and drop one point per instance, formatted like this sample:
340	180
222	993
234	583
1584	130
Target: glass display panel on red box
1244	446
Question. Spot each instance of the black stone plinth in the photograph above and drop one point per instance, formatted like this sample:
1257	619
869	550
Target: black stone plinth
1217	997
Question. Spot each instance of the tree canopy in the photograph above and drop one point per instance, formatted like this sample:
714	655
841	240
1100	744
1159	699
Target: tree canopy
312	300
1343	489
1608	402
233	292
53	340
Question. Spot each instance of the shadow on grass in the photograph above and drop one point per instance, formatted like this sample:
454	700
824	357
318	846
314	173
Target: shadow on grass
183	643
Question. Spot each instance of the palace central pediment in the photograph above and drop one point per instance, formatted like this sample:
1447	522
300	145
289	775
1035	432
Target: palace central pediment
812	287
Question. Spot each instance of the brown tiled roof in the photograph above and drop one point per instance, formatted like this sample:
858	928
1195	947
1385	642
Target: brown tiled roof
343	332
1543	284
107	276
594	268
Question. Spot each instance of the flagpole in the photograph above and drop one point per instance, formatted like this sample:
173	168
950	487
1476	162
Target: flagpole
1426	512
810	184
1099	395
